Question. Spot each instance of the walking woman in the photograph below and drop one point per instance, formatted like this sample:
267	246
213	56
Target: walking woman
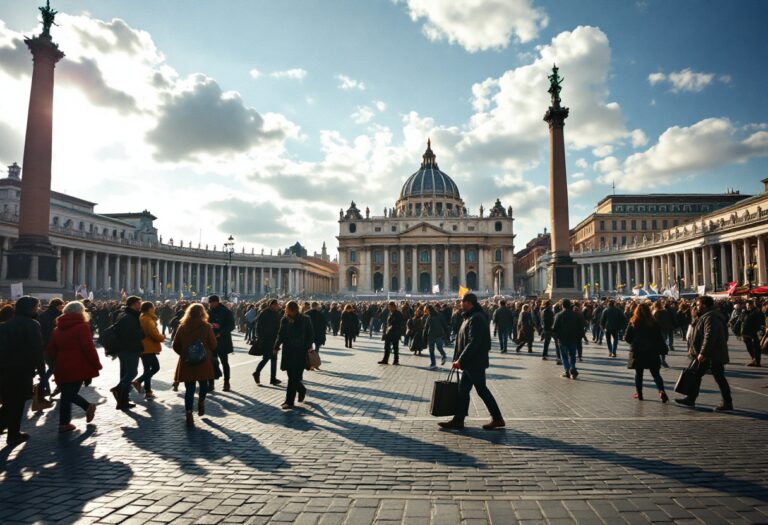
75	360
646	348
525	329
415	331
194	329
152	347
295	337
350	325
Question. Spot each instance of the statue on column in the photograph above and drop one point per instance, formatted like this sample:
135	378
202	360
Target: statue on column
49	15
555	86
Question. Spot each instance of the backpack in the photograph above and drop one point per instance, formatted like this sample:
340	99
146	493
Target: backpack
109	340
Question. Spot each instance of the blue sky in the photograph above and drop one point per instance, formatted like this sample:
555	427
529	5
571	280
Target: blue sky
664	97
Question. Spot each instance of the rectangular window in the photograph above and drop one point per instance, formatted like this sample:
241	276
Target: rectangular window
644	225
602	225
665	224
352	256
613	226
424	256
623	225
634	224
393	256
377	228
454	256
623	240
614	241
675	222
654	224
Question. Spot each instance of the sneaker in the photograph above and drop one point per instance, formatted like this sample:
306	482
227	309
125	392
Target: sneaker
495	423
433	367
565	375
90	413
256	378
69	427
453	424
685	402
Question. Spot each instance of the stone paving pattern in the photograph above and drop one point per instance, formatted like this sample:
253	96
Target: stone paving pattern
363	449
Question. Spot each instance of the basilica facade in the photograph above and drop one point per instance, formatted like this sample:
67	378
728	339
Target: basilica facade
427	243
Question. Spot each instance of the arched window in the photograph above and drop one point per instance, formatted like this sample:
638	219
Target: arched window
81	226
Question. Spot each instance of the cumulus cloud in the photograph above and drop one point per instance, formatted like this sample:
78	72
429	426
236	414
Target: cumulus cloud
200	118
478	25
579	187
349	84
602	151
115	35
86	75
684	152
582	163
639	138
255	73
362	115
252	221
686	80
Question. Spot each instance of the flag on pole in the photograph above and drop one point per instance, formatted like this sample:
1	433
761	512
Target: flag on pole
436	288
463	290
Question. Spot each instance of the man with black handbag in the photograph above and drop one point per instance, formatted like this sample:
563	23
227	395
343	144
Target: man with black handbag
223	322
267	327
708	345
473	345
130	346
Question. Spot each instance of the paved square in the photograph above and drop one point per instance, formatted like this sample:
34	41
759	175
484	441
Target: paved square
365	450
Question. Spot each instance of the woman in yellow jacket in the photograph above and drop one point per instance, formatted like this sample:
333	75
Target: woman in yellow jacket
152	347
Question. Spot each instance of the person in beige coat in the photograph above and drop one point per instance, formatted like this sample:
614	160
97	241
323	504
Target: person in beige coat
194	328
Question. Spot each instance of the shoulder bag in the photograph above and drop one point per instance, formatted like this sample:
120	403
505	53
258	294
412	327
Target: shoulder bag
196	352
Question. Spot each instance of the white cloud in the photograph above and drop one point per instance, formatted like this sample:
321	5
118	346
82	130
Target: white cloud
602	151
606	165
478	25
362	115
381	106
683	152
292	74
255	73
347	84
686	80
639	138
579	188
582	163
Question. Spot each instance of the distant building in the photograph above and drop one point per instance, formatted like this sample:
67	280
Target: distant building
621	219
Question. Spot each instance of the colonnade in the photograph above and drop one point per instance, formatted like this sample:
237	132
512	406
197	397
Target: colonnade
711	265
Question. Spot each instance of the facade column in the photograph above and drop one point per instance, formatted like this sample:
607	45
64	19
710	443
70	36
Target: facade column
602	278
446	270
734	275
156	278
663	272
747	245
723	265
686	270
414	270
762	274
677	268
433	270
118	287
261	281
646	282
592	277
583	275
628	277
706	267
128	275
695	260
94	281
462	266
481	285
387	280
138	275
70	278
279	279
611	282
638	277
401	266
81	273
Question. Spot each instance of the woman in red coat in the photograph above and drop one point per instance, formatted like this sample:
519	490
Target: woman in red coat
75	360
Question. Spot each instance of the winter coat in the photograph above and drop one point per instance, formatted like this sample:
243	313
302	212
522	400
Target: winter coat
395	326
525	327
547	320
416	333
350	324
335	316
646	346
612	319
21	352
188	334
568	327
709	337
665	319
72	350
47	321
129	332
503	319
435	328
473	342
752	321
318	326
295	338
152	336
267	325
222	316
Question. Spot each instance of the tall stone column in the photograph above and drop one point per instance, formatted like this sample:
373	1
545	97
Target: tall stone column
33	250
387	280
646	282
746	244
70	278
433	270
446	270
735	262
686	270
602	285
695	277
723	265
561	280
93	285
261	281
414	270
638	277
462	266
706	267
481	268
762	274
401	266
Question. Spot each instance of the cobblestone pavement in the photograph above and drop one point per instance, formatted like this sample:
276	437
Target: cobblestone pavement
363	449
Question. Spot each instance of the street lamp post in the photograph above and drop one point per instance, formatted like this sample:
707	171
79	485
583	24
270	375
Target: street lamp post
229	250
715	273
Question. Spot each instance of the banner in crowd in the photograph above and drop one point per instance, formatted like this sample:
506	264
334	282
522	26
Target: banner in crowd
17	290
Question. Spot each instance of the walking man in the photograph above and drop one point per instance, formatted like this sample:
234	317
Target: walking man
502	321
223	322
471	356
568	329
708	344
392	334
267	326
611	321
130	338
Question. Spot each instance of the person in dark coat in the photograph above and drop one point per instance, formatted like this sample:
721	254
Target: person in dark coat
646	348
752	322
568	329
75	359
611	321
547	320
194	328
473	345
131	346
47	321
295	337
525	329
666	321
318	325
393	331
502	323
708	345
435	331
267	326
223	322
21	358
415	331
350	325
335	316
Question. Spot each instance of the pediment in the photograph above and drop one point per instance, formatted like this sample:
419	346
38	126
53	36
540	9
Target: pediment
422	229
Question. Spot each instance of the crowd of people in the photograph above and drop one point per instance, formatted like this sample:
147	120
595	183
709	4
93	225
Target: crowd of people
60	341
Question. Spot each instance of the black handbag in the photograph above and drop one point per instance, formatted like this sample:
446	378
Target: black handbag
256	349
688	382
196	353
445	396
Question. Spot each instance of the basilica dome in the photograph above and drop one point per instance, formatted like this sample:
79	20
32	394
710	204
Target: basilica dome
429	191
429	181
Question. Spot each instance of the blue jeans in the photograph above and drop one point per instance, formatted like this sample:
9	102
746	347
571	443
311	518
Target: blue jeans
70	394
475	377
670	340
129	368
189	394
503	338
611	336
432	343
547	340
568	354
151	367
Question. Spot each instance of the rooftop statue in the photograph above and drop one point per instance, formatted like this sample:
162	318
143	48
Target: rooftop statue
555	87
49	16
